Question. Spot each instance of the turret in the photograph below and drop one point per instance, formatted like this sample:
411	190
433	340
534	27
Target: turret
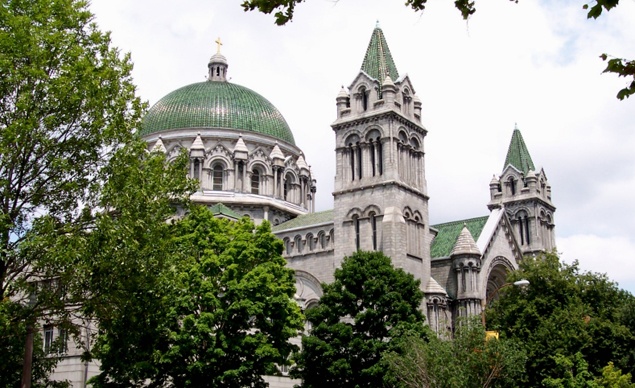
524	192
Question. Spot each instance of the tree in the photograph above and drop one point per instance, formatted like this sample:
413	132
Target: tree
212	304
284	10
468	360
67	103
360	314
564	312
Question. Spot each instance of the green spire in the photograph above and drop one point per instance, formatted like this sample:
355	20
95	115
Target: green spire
378	62
518	155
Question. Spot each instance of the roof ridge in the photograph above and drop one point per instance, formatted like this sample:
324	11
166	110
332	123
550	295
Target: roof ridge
460	221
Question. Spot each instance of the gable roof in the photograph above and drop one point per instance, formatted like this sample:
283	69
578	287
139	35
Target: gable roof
221	210
378	61
305	220
449	232
518	154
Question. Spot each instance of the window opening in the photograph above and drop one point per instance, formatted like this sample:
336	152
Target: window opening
372	156
63	339
364	100
359	161
217	177
357	236
352	153
380	156
48	338
255	182
196	174
373	224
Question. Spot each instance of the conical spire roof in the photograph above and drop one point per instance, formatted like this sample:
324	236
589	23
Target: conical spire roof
465	244
378	62
518	154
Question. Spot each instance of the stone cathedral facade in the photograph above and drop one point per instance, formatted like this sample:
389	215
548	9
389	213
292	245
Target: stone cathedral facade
243	153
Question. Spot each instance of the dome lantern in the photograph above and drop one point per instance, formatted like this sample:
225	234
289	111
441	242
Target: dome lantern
217	65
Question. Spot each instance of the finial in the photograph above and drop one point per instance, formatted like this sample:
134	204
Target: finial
218	44
516	126
465	224
377	24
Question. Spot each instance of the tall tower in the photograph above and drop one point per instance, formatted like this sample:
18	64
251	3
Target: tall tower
525	194
380	195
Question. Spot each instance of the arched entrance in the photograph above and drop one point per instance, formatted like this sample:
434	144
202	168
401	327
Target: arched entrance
497	278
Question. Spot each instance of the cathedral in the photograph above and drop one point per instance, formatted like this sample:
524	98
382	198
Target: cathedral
243	153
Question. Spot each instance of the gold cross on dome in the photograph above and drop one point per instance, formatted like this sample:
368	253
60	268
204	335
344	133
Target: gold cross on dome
218	44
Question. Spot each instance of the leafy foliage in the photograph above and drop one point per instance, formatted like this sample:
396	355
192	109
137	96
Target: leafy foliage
211	304
67	104
565	312
468	360
284	8
369	304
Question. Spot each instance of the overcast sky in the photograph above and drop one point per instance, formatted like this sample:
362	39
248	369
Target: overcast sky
535	63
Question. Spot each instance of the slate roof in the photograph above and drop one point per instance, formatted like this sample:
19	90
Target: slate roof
217	104
305	220
220	209
518	154
378	60
449	232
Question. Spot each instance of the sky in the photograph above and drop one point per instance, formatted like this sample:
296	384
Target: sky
534	64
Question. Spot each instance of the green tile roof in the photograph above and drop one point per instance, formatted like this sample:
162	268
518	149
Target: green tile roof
448	233
220	209
217	104
306	220
378	62
518	154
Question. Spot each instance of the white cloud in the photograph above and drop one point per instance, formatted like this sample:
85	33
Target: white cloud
534	63
610	255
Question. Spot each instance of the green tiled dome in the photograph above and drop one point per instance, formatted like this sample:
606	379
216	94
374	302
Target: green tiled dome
213	104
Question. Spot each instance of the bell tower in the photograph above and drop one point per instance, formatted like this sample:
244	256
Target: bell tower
381	200
524	192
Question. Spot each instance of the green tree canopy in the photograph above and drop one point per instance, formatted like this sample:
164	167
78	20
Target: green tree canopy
564	312
369	304
67	104
465	361
210	304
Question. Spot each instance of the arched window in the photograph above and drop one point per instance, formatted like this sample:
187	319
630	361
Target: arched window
357	236
288	188
255	181
359	161
373	226
364	96
380	157
217	177
322	239
373	160
523	227
287	245
512	185
351	152
405	98
309	242
298	243
196	169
